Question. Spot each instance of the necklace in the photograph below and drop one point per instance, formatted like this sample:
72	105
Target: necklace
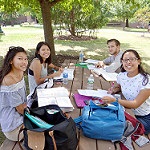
16	78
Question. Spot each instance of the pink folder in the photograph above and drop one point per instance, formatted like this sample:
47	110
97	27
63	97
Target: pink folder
79	99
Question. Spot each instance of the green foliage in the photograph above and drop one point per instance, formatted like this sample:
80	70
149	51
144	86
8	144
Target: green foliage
122	10
81	14
143	15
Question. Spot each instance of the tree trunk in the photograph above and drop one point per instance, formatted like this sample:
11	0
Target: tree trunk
47	25
127	23
72	26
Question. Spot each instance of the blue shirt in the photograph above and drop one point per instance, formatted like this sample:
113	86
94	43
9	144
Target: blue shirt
10	97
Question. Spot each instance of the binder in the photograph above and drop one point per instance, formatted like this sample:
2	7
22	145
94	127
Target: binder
79	99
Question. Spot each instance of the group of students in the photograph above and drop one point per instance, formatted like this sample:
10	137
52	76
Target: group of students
13	98
132	81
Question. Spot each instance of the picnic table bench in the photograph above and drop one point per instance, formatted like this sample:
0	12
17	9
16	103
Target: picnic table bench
80	82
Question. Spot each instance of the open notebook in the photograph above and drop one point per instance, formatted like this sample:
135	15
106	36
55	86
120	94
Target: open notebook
58	96
106	75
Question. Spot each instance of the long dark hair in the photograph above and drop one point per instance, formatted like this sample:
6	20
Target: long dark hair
140	69
6	66
39	45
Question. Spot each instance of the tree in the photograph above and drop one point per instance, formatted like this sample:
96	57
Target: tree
72	14
45	7
79	15
143	15
124	10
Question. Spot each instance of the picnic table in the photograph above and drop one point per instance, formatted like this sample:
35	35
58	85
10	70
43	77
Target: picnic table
80	82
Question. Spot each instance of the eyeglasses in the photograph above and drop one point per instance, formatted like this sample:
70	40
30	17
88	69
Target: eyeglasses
132	59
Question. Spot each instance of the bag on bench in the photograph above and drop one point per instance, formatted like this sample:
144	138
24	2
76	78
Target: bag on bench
102	122
134	131
47	128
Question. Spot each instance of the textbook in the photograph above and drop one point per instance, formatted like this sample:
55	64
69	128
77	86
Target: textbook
58	96
106	75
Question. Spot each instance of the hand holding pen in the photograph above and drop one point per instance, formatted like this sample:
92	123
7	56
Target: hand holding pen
61	69
100	64
115	88
111	89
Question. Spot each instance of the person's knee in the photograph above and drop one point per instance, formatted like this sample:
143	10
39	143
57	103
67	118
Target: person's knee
146	126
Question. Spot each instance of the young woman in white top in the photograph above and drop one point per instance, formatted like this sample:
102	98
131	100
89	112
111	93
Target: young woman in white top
134	83
13	92
38	70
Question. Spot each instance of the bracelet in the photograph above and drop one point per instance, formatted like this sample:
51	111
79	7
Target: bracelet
117	99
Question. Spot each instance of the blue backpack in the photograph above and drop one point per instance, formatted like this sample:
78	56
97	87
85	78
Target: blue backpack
102	122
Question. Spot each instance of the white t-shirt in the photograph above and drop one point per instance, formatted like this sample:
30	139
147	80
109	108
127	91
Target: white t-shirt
130	87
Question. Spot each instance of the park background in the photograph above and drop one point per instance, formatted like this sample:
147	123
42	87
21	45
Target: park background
95	21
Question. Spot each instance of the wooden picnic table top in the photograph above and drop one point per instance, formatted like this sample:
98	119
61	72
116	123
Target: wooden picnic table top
80	82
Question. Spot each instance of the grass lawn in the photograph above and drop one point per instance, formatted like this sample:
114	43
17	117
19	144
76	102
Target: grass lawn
28	37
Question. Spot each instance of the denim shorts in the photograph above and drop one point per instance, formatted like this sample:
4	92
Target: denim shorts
145	120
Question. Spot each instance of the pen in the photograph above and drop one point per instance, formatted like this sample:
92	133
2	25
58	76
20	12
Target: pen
112	86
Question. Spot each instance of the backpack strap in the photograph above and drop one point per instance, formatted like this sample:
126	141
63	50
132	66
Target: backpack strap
77	121
19	141
51	133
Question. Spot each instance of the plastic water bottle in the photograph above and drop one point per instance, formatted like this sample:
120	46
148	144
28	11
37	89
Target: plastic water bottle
81	55
90	83
65	76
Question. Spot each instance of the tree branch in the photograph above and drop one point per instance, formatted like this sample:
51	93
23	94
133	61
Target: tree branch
50	3
54	2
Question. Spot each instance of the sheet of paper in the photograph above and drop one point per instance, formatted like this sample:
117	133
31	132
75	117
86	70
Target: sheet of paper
95	93
91	66
110	76
99	71
106	75
103	93
92	61
88	92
